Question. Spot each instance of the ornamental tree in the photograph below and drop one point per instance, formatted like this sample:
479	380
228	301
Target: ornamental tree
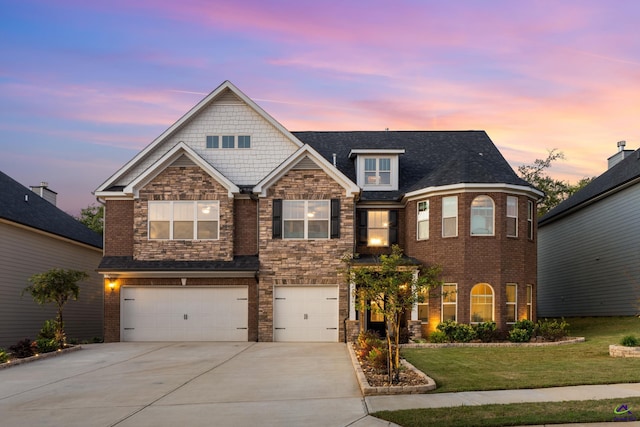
391	287
56	286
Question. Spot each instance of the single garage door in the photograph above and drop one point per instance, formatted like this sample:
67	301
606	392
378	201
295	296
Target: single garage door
305	313
184	314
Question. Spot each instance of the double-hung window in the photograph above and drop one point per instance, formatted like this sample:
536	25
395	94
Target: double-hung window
512	302
305	219
482	216
377	171
378	228
423	307
179	220
450	216
449	302
530	302
512	216
530	207
423	220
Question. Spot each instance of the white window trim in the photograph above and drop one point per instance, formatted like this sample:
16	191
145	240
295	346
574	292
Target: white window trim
442	303
510	216
306	220
493	217
393	182
418	220
530	213
515	303
493	303
456	217
530	302
171	220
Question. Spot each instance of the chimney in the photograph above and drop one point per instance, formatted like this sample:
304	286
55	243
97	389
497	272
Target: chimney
43	191
620	155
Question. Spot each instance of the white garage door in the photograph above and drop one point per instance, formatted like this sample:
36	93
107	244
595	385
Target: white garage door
184	314
305	313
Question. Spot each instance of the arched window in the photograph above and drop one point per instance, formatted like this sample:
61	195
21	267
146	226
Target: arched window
482	303
482	216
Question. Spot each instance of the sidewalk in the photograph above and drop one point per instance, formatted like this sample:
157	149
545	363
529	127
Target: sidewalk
474	398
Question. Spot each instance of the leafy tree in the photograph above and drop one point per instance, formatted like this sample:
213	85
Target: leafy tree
391	288
93	217
556	191
56	286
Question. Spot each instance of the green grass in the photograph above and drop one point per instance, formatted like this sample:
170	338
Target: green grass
501	368
513	415
504	368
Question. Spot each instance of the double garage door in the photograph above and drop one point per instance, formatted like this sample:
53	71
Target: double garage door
184	314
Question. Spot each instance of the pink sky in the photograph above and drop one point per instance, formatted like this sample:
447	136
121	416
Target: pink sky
84	87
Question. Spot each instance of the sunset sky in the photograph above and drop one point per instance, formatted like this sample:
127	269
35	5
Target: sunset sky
85	85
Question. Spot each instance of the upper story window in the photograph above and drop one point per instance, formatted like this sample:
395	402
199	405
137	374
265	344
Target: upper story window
306	219
482	218
178	220
530	213
423	220
512	216
228	141
378	228
377	169
450	216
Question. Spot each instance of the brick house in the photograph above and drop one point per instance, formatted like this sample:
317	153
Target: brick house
230	227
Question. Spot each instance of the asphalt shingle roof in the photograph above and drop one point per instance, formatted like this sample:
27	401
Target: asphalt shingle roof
35	212
126	263
431	158
626	170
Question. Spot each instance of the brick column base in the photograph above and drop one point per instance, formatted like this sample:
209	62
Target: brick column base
353	330
415	329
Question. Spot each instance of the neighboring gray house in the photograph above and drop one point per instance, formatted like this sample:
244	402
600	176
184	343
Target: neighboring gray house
589	246
36	236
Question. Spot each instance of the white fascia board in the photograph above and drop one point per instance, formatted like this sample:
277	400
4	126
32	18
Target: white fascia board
187	117
366	151
170	157
473	188
262	187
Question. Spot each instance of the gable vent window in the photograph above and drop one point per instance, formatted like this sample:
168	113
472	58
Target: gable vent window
228	141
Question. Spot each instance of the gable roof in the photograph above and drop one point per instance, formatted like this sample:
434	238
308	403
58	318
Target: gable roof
217	93
22	206
431	158
618	177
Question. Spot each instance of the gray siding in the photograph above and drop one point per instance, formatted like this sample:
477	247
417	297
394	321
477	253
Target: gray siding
24	253
589	262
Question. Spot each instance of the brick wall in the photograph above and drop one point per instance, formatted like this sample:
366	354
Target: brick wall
468	260
183	183
245	232
118	228
302	262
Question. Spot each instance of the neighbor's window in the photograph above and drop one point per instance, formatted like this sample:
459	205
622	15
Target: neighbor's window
482	216
481	303
512	303
530	302
423	307
178	220
423	220
530	207
378	228
449	302
244	141
305	219
450	216
512	216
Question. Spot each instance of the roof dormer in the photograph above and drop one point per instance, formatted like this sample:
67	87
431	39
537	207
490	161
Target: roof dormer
377	169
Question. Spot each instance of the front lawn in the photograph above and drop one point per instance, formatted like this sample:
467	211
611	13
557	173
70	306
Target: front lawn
498	368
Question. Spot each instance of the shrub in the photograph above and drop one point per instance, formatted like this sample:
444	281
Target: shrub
527	325
519	335
366	342
464	333
404	336
447	327
552	330
4	356
23	348
438	337
486	331
378	358
630	341
46	345
48	330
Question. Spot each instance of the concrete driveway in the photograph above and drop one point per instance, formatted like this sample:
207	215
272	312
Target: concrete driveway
186	384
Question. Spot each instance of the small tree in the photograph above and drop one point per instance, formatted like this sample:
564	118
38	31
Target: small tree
392	288
56	286
93	217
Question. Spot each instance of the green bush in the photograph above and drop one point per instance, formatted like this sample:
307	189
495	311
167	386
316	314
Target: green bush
438	337
46	345
486	331
4	356
378	358
464	333
48	330
519	335
552	330
366	342
448	327
527	325
23	348
630	341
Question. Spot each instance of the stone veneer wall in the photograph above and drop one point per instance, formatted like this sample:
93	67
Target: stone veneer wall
468	260
183	183
302	262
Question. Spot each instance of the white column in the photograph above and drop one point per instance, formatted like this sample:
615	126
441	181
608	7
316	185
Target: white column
352	301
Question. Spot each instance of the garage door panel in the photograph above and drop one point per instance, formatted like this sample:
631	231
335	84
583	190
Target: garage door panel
306	313
185	314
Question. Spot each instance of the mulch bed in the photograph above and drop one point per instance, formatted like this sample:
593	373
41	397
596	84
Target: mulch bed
377	378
